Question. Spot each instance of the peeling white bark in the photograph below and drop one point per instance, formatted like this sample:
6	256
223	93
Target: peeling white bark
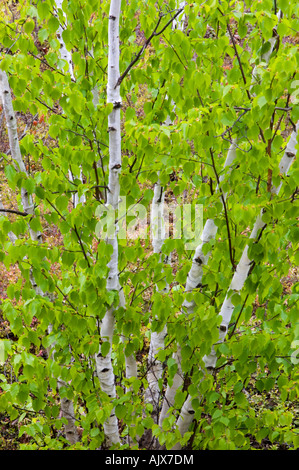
104	364
65	54
155	367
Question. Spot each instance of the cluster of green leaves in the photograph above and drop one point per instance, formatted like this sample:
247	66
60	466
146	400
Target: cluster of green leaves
208	77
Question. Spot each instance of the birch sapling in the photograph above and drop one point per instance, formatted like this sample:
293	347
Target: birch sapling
244	264
194	278
237	283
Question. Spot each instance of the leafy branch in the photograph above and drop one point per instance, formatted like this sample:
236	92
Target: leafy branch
155	33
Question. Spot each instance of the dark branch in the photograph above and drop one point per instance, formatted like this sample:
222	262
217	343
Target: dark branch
13	211
147	42
238	58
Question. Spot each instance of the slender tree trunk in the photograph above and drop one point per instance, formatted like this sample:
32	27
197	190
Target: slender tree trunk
104	363
28	207
179	22
27	201
65	54
155	367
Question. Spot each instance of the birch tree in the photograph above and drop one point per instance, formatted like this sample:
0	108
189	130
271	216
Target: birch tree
36	236
200	259
180	351
104	363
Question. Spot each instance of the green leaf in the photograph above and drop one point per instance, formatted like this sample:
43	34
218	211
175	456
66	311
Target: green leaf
29	26
5	349
105	348
261	101
10	174
120	411
43	35
53	24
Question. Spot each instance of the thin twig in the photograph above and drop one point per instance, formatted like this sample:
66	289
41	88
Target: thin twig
225	213
238	58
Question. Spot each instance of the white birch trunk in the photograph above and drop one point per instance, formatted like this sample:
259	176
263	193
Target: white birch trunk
200	259
76	199
179	22
66	405
67	411
27	201
104	364
237	283
194	277
28	207
155	367
244	264
114	129
95	89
